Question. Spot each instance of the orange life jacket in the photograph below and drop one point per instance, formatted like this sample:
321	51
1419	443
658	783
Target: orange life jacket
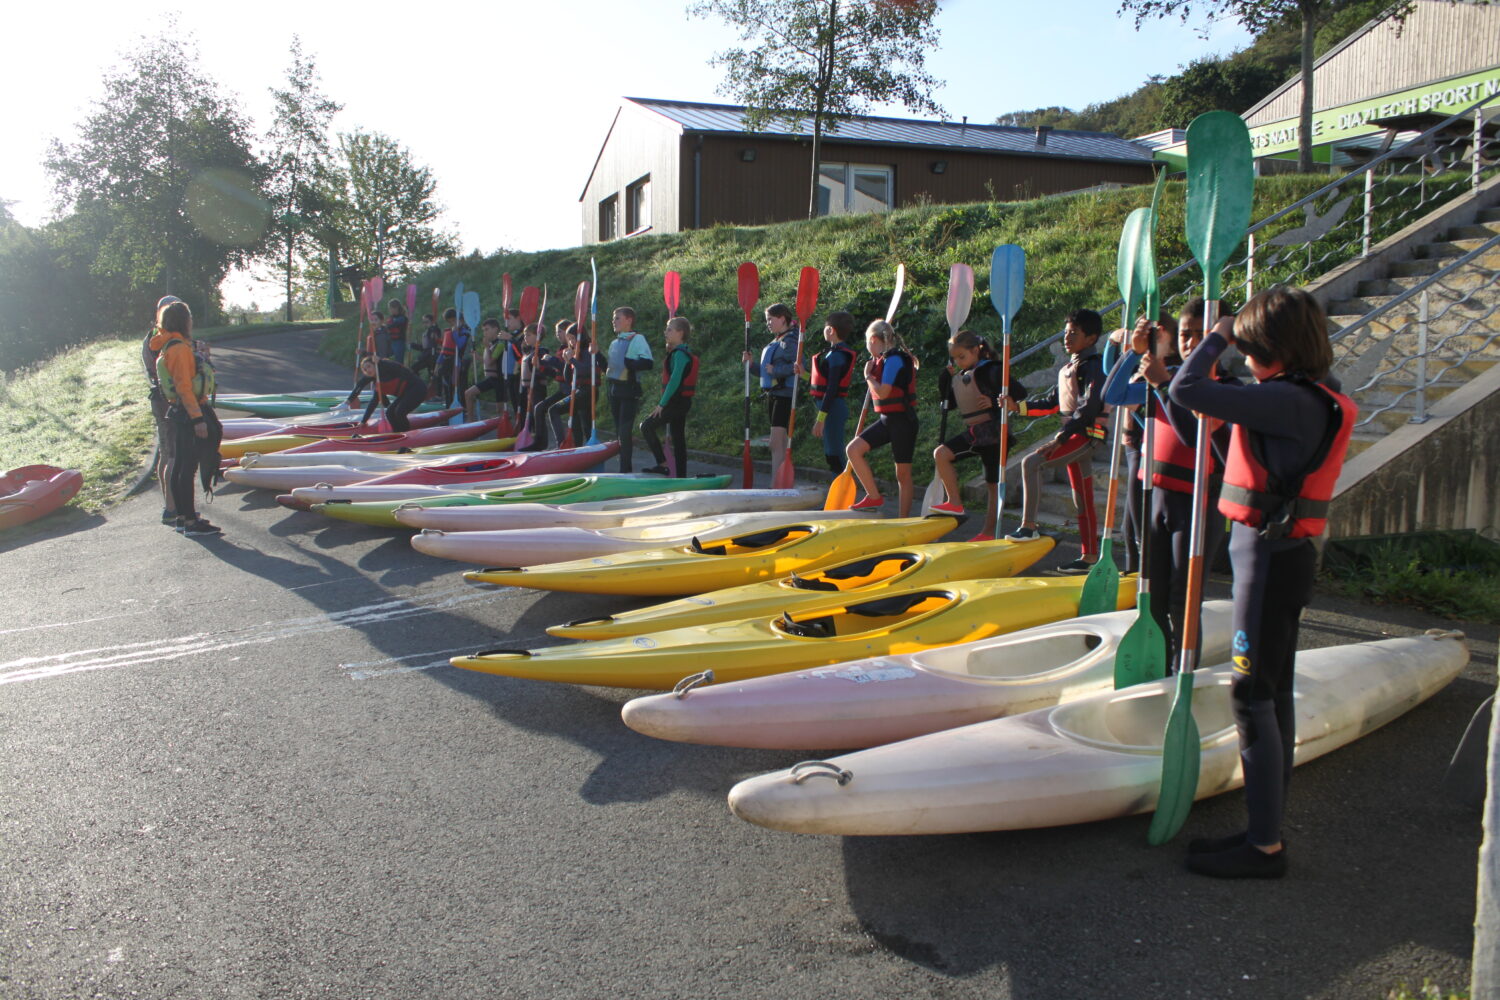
903	397
821	385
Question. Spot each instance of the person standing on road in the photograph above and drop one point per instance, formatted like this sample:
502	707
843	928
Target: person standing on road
891	380
832	372
187	384
629	355
776	368
166	433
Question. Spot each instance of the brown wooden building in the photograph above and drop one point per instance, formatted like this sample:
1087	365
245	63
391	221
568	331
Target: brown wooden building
667	166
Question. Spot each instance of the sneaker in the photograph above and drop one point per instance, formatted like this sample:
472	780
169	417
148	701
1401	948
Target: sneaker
983	537
868	503
198	526
1079	565
948	507
1244	861
657	470
169	517
1024	534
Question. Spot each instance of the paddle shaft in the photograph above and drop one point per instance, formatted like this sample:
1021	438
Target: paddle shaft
1187	657
1148	441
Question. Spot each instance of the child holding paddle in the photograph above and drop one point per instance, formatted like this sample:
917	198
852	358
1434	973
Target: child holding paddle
679	377
832	371
629	355
1290	434
1078	399
1125	387
492	350
395	331
976	382
580	376
891	379
541	378
400	387
562	397
776	368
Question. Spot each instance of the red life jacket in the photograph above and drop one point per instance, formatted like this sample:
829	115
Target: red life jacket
396	384
903	398
689	383
1298	509
1172	461
820	382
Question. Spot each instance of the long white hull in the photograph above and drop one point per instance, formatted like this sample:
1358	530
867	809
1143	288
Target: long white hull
1093	759
622	512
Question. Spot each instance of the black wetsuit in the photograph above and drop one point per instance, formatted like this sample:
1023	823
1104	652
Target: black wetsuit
403	389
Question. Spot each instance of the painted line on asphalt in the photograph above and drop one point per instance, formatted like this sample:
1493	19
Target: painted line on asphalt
81	621
137	653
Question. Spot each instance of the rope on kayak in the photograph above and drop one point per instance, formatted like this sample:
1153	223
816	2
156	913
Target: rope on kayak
682	687
819	769
1443	633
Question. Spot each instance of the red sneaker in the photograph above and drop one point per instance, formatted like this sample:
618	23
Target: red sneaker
868	503
982	537
948	507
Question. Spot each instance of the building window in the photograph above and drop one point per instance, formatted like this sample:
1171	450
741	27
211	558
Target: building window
638	205
609	217
850	188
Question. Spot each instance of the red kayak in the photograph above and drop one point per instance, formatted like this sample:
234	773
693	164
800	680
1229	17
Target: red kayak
398	442
33	490
536	463
246	427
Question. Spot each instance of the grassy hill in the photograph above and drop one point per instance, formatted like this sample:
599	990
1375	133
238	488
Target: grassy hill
1070	243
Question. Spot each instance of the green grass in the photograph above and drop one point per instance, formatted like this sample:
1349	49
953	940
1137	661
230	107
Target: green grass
1450	574
1428	991
85	409
1071	244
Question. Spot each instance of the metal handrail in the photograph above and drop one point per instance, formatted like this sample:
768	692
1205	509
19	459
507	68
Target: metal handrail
1417	289
1299	204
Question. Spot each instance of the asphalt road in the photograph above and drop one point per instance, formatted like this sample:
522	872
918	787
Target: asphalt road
240	767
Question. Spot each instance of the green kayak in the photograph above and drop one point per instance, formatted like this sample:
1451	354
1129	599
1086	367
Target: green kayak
582	489
294	407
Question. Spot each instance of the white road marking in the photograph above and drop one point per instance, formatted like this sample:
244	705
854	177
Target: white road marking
138	653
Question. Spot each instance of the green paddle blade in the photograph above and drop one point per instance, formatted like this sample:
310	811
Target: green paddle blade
1221	183
1145	261
1101	588
1180	757
1137	231
1142	653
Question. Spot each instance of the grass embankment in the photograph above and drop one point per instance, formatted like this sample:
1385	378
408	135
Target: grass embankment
85	409
1070	242
1455	574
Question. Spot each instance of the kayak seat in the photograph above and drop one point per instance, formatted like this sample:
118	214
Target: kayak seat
813	628
860	573
811	582
900	604
746	543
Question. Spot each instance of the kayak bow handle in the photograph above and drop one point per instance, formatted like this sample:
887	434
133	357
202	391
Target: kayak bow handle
819	769
682	687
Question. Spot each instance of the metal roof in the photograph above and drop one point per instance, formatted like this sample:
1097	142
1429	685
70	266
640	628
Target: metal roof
695	117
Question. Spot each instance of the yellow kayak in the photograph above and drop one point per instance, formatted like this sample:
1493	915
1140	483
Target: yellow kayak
730	560
907	620
866	577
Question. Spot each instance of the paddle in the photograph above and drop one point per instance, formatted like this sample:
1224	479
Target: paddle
749	288
671	292
580	306
1220	187
594	355
843	488
436	321
469	313
1142	653
807	301
960	300
1101	587
531	312
505	428
411	309
1007	290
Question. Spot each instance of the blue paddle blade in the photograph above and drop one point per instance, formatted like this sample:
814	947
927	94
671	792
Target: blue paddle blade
1007	280
471	310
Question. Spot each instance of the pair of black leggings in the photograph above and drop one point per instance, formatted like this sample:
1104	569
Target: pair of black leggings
1272	584
539	418
1169	538
674	416
622	406
1134	515
398	409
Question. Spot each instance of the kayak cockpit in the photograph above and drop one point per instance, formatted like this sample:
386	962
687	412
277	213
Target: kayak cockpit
879	615
1022	659
1133	720
758	541
880	568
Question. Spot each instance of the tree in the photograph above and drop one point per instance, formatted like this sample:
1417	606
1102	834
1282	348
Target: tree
163	183
820	60
375	208
299	149
1258	16
1216	85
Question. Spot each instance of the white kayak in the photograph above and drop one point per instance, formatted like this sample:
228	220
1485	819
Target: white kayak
620	512
1093	759
291	477
538	546
381	461
865	703
305	496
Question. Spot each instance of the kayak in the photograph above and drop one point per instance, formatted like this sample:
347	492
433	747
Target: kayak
1092	759
611	513
534	546
868	576
304	444
237	429
814	635
299	407
305	497
393	460
866	703
30	491
498	494
741	559
299	476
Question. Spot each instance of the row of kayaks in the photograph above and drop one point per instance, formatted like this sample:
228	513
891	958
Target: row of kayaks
973	697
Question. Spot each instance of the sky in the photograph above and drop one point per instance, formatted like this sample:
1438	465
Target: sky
509	102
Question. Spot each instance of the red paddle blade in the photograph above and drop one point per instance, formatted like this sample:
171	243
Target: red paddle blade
749	279
807	295
531	297
377	290
581	303
671	291
505	292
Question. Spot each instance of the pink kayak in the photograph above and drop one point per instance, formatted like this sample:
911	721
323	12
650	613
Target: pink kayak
239	428
534	463
28	492
866	703
397	442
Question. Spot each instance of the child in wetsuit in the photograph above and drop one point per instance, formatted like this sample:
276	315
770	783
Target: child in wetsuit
832	373
975	381
629	355
777	368
679	377
891	380
1290	434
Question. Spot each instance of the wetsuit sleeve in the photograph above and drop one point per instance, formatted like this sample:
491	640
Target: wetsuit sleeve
679	363
1041	406
359	387
181	368
1092	404
1250	406
1118	389
638	355
836	361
